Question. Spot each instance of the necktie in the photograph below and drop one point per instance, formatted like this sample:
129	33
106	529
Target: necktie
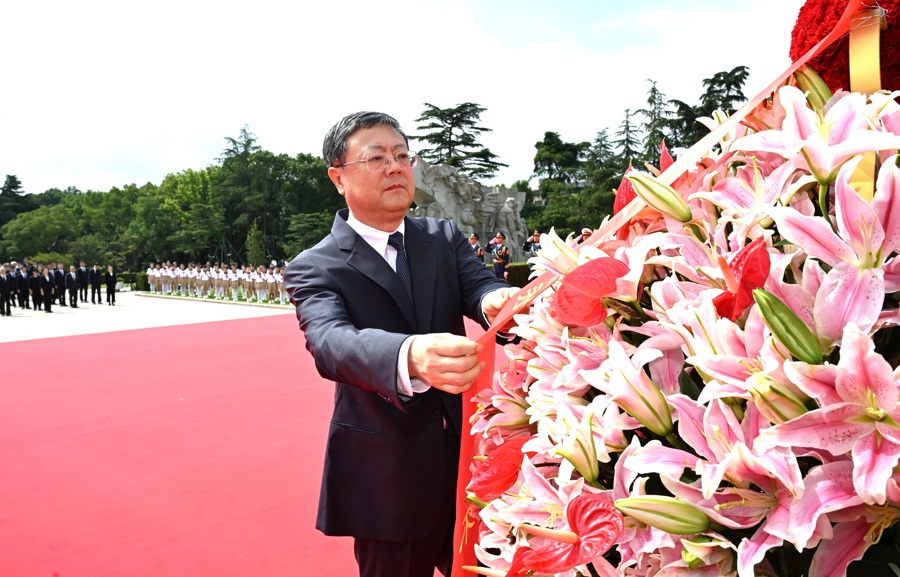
396	241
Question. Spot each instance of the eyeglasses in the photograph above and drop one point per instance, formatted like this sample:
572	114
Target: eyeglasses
377	162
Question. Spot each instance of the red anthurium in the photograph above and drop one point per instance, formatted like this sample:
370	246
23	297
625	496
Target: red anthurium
625	193
748	271
593	519
499	471
579	300
665	159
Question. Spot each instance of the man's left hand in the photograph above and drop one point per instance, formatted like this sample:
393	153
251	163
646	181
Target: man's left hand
494	301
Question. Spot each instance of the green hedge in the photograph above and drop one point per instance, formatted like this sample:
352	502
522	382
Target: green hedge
518	273
140	281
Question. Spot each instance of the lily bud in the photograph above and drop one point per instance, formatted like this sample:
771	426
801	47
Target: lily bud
555	534
665	513
817	92
660	196
788	328
487	572
690	558
774	400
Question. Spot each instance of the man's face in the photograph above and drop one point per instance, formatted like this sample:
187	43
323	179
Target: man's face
378	198
60	267
473	241
72	268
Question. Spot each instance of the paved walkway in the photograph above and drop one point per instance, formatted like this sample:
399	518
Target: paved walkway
132	311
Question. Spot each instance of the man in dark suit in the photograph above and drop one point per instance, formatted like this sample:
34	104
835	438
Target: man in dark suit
5	280
110	279
95	279
72	286
48	288
60	280
83	281
22	286
34	289
383	318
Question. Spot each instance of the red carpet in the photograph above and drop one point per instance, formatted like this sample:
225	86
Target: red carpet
186	451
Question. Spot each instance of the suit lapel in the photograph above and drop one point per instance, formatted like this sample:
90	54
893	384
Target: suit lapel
366	261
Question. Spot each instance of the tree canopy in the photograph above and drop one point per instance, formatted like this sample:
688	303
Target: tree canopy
453	135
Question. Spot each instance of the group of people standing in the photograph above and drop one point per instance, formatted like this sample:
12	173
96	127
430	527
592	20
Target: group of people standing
499	250
27	286
221	282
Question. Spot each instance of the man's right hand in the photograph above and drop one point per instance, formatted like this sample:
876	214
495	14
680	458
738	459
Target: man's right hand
445	361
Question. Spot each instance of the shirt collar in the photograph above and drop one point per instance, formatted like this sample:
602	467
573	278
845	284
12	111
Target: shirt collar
377	239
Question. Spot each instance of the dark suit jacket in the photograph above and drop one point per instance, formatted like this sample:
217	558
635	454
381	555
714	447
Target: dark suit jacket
12	284
59	280
110	279
82	275
48	284
385	458
95	278
72	284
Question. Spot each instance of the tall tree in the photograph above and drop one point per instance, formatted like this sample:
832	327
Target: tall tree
13	201
723	91
453	135
654	125
627	140
602	168
558	160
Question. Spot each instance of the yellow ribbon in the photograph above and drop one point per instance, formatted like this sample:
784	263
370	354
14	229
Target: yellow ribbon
865	76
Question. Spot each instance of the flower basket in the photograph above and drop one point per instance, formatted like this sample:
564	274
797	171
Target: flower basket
710	384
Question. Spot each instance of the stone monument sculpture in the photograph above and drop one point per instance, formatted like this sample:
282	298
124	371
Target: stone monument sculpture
442	191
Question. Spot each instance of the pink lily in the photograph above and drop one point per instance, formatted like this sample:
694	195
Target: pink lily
865	422
854	289
820	144
623	378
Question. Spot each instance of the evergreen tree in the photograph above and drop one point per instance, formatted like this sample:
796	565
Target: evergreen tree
724	91
13	201
453	135
256	249
654	126
558	160
602	164
628	141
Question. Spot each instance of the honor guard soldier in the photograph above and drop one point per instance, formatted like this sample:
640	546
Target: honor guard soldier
476	248
500	253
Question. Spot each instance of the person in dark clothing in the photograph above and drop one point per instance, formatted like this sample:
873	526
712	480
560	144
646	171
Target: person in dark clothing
59	292
34	289
5	280
109	277
95	279
72	286
82	275
48	288
22	287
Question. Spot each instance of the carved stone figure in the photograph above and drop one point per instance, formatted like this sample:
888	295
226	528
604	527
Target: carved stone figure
445	192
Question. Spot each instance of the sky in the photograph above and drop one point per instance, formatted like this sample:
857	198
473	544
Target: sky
100	94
